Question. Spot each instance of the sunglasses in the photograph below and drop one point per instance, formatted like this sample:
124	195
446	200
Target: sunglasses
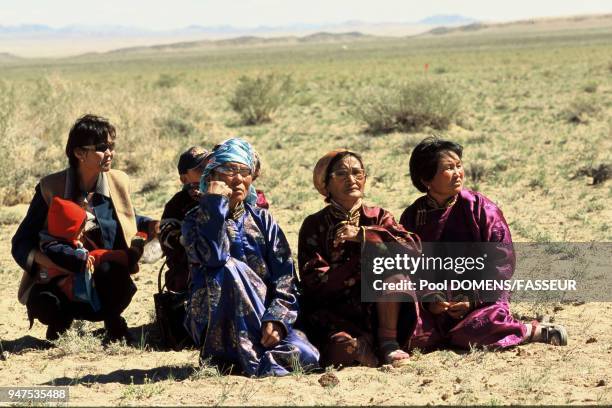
232	171
100	147
358	174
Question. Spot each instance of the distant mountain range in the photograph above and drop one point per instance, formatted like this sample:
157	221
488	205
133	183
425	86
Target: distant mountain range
447	20
34	40
31	31
319	37
37	40
6	57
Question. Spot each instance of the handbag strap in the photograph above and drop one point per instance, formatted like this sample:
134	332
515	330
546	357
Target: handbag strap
160	288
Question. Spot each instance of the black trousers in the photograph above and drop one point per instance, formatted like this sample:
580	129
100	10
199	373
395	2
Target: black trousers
51	307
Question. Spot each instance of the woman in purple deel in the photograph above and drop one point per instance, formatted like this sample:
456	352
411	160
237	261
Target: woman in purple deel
449	213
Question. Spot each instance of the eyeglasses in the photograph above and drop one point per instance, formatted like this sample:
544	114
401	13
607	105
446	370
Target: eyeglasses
232	171
100	147
358	174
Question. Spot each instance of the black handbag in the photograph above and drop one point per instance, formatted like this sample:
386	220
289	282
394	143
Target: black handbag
169	315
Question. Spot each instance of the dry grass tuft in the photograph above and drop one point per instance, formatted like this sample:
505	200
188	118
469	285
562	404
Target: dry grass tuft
581	111
410	108
77	341
598	173
257	99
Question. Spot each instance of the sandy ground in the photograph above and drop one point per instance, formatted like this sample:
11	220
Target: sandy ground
518	94
579	373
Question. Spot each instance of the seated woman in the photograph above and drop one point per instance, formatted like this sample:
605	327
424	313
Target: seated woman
450	213
329	257
89	182
242	303
190	168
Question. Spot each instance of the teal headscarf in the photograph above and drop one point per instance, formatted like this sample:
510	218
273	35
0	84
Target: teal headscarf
232	150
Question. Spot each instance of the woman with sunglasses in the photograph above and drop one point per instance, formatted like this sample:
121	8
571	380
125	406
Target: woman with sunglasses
346	330
242	303
111	224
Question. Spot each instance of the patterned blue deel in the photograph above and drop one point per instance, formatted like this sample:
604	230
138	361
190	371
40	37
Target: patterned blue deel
241	277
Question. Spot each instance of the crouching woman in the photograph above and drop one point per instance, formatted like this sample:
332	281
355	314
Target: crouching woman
103	193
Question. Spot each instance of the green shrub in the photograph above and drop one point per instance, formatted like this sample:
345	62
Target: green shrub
581	111
167	81
257	99
597	173
9	216
50	105
7	106
77	341
477	171
176	127
440	70
410	108
378	109
178	123
591	87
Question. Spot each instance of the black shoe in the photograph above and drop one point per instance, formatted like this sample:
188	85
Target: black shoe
117	330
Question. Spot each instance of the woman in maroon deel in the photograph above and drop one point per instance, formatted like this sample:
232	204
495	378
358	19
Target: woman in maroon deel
345	329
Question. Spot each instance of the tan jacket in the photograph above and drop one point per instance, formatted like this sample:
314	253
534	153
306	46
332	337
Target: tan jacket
115	183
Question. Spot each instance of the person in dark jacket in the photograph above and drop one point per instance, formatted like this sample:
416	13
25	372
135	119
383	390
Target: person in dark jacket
190	167
104	194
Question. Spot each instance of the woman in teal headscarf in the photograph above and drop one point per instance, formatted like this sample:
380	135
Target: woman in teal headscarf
243	302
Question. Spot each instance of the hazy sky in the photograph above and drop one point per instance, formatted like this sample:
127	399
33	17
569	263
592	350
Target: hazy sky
168	14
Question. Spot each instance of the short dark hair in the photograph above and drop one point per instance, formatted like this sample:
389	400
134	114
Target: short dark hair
425	156
88	130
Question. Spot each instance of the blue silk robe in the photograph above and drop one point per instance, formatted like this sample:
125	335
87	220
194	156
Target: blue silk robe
241	276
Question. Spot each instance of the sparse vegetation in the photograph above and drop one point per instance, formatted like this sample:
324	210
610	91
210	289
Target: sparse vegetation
440	70
205	370
256	100
167	81
582	110
9	216
525	154
476	171
177	124
77	340
152	183
591	87
597	173
7	106
146	390
409	108
176	127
